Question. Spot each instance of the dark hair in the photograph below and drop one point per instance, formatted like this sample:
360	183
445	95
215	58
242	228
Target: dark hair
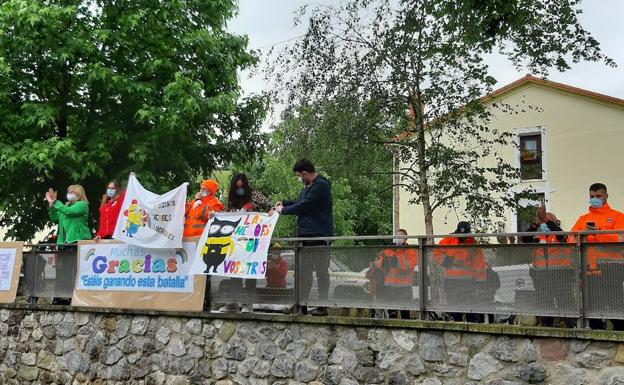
403	231
597	187
117	185
303	165
234	201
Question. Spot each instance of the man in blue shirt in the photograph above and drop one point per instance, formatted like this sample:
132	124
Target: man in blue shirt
314	219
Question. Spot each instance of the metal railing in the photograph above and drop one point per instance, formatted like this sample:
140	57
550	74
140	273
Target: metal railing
573	279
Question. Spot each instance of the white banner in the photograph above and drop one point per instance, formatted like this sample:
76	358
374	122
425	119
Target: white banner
235	245
7	262
150	220
118	266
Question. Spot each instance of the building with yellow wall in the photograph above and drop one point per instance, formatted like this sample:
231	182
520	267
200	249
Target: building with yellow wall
572	139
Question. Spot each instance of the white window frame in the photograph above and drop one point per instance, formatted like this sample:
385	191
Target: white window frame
526	131
540	186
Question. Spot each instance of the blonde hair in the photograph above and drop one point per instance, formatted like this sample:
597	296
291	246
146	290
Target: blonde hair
80	192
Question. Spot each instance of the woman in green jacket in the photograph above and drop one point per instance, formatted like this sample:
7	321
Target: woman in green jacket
72	219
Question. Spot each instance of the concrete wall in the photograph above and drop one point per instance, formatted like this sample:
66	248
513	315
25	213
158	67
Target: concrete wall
68	347
584	138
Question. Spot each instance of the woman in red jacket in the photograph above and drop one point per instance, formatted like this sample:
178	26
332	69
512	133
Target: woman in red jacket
109	210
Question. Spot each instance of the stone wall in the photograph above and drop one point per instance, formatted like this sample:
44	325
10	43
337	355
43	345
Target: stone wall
79	348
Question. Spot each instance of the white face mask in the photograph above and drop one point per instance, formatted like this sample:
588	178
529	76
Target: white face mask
71	197
300	179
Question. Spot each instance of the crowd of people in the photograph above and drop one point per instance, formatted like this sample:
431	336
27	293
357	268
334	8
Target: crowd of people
313	209
466	274
468	279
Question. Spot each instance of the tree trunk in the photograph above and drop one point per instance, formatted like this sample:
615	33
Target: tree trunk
421	144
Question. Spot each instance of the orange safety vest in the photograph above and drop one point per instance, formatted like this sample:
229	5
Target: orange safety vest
597	255
403	273
555	257
606	219
198	214
464	262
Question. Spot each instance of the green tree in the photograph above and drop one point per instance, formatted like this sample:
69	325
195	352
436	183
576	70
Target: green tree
92	89
321	133
417	68
273	176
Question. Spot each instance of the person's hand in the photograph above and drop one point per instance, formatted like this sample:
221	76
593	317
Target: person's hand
279	209
279	203
540	215
198	195
97	238
50	196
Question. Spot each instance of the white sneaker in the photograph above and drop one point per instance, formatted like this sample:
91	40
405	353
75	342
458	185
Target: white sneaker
247	309
229	308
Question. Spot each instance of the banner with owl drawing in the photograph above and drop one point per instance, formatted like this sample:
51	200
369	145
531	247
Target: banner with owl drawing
151	220
235	245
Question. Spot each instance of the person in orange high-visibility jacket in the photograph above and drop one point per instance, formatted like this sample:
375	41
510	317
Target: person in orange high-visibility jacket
392	274
552	269
553	257
605	264
200	209
464	272
600	217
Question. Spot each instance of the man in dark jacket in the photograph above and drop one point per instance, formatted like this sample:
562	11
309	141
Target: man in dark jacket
314	219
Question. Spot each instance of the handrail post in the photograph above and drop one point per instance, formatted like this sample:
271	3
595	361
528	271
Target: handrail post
582	322
422	273
298	276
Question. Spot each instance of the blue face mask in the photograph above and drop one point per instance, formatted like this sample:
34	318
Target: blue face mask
596	203
110	192
240	192
544	228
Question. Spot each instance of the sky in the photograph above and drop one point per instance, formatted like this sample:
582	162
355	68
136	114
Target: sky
271	23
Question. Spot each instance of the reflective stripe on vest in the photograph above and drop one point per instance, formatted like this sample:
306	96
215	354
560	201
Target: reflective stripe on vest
554	258
597	256
464	264
193	227
404	275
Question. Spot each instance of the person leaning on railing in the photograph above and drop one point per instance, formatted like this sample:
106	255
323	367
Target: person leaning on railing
72	219
240	198
391	276
464	272
552	271
200	209
314	211
605	265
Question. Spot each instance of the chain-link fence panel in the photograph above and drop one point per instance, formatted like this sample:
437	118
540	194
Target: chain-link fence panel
276	292
535	279
604	280
49	271
364	276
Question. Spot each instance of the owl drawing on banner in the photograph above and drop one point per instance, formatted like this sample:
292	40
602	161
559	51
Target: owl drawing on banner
219	243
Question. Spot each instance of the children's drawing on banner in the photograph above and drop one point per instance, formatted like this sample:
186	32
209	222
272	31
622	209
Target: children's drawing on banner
235	245
151	220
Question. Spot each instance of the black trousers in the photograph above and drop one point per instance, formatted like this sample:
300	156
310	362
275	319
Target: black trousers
312	257
390	294
245	294
460	292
